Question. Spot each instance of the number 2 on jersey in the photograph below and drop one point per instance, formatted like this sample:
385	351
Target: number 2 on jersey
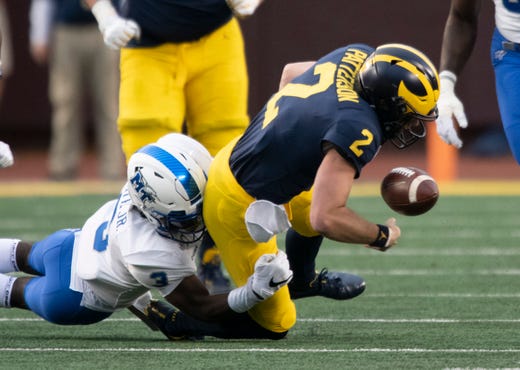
325	71
354	147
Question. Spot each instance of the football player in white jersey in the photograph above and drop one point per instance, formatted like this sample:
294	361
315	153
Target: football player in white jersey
459	38
145	239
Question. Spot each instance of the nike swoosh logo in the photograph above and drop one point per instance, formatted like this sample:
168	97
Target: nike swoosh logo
274	284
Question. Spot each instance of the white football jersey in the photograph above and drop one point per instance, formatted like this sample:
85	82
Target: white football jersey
118	256
507	21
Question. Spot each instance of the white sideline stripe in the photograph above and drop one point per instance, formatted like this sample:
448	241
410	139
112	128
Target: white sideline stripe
271	350
415	321
389	321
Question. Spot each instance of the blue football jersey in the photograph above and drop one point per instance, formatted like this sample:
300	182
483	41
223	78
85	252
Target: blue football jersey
280	152
174	20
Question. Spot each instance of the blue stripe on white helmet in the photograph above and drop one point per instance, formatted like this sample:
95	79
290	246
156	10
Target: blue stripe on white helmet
176	168
190	146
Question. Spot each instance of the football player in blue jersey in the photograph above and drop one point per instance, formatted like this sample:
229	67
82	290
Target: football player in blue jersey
182	62
460	34
294	167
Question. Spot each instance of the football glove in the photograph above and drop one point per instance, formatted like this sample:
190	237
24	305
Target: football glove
117	31
6	156
450	106
272	272
243	8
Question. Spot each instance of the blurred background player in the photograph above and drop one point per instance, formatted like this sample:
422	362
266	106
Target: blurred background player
183	69
143	240
6	156
342	109
6	50
460	34
64	34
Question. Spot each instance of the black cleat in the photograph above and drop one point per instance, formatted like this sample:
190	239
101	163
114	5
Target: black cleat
213	278
163	316
335	285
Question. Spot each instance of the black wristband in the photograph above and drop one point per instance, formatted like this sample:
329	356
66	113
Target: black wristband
382	238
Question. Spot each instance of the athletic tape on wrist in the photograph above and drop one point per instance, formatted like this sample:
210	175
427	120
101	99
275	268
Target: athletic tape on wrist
449	75
382	237
243	298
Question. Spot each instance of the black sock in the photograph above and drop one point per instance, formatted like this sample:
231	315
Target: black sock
241	326
301	252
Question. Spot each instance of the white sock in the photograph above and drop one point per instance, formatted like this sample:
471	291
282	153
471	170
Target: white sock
8	255
6	287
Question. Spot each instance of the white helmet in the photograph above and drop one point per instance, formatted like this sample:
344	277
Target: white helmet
192	147
167	186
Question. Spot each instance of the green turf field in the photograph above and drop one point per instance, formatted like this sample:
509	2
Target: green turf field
446	297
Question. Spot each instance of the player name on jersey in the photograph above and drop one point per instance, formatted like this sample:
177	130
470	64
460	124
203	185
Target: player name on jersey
345	76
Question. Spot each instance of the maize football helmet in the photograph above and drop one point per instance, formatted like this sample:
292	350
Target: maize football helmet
402	85
166	185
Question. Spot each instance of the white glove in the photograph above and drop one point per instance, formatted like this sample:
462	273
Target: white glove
117	31
243	8
272	272
6	156
449	105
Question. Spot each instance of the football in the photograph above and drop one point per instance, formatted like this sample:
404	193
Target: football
409	191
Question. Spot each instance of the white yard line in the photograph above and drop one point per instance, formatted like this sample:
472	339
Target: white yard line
418	252
374	321
267	350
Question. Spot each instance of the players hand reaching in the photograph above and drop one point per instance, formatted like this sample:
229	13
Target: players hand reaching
272	272
387	237
450	106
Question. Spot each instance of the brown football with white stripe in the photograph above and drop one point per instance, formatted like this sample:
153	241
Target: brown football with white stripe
409	191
